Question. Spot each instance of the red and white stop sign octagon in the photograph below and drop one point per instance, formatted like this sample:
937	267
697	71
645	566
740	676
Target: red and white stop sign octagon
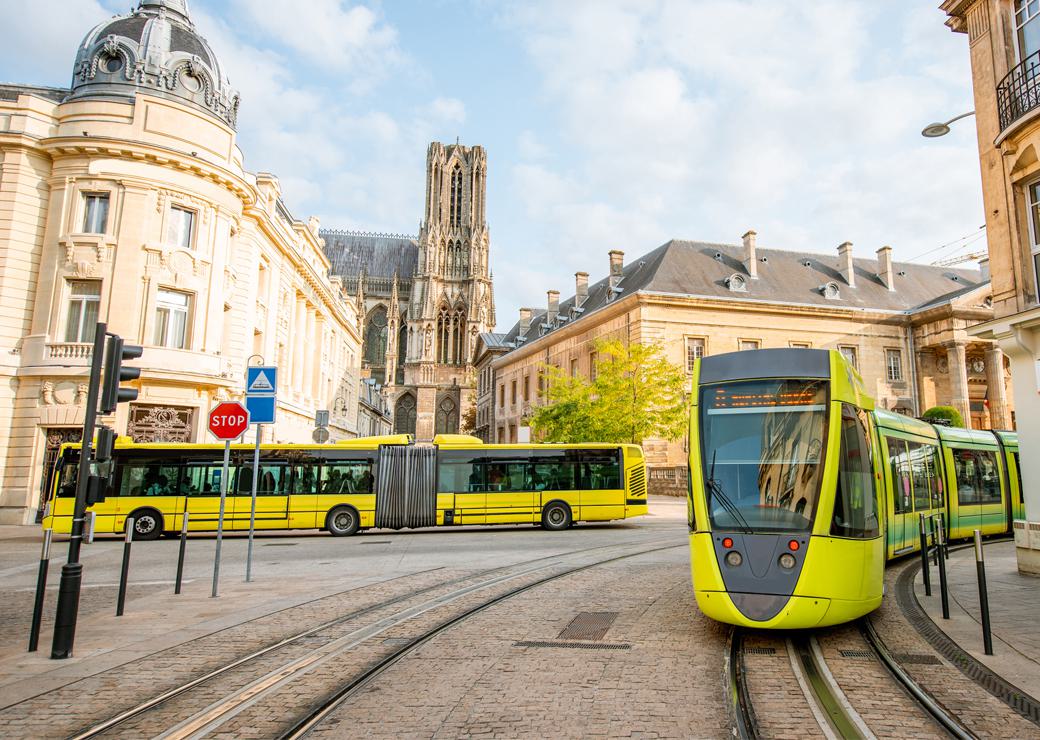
228	420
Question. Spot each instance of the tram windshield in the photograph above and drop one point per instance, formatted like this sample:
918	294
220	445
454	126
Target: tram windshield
761	444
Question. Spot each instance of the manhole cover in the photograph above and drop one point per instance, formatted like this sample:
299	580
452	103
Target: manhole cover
588	626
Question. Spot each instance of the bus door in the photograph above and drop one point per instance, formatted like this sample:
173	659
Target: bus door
272	495
144	481
902	498
346	478
460	486
602	491
201	485
508	486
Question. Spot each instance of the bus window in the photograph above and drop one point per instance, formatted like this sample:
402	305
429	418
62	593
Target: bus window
149	478
347	476
901	491
305	478
459	472
602	476
202	479
67	482
505	476
978	477
273	480
557	475
924	473
855	509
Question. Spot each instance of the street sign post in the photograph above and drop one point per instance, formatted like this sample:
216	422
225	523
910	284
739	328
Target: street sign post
261	401
227	421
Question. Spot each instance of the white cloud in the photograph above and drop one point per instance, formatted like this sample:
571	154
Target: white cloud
447	110
40	38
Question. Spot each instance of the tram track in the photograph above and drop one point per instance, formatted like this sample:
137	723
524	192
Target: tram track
260	675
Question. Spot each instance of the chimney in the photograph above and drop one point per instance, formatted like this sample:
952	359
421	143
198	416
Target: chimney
554	307
581	288
885	271
984	269
525	321
750	258
617	264
845	263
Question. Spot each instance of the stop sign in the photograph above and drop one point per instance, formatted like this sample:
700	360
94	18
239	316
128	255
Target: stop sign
228	420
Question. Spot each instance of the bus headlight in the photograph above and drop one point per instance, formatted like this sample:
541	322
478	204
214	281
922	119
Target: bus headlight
734	559
787	561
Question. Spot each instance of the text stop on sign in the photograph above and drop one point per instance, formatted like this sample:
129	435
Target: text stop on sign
228	420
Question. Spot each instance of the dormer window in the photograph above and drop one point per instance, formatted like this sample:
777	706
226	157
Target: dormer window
830	291
737	283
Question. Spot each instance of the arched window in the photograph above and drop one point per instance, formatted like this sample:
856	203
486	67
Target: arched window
404	415
375	342
455	212
447	421
402	352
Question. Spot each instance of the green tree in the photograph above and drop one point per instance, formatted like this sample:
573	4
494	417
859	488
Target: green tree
636	394
944	414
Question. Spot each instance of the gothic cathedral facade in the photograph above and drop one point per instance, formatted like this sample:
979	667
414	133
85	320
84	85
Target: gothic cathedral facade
425	299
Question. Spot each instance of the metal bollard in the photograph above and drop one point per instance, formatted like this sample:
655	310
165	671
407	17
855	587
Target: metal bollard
180	555
925	573
126	566
41	591
980	567
940	547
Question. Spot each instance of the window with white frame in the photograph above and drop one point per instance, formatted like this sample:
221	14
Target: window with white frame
172	314
894	365
801	345
744	344
1034	232
1027	27
694	351
850	355
82	316
95	213
181	228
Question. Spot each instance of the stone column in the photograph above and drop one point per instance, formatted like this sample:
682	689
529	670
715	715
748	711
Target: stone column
958	367
299	340
309	354
999	413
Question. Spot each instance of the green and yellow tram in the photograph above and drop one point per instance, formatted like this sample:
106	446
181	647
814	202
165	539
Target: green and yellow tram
385	482
800	490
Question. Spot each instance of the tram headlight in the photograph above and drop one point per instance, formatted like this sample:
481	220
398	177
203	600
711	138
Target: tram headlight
787	561
734	559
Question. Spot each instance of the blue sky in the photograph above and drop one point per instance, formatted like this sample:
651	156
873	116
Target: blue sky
608	124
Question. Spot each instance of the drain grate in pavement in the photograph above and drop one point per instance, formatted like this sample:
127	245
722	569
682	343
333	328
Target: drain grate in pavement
280	544
759	651
855	653
588	626
375	542
577	645
917	658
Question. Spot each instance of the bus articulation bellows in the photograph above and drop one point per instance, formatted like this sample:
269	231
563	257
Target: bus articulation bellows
358	484
800	490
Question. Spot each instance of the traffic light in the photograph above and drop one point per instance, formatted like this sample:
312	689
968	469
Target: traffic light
111	392
104	443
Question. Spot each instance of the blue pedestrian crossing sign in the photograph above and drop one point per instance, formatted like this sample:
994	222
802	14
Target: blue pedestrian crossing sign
261	381
261	409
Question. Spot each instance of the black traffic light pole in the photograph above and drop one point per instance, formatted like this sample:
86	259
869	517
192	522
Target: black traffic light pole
90	488
72	571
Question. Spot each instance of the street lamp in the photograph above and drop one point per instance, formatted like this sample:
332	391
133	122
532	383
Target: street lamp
935	130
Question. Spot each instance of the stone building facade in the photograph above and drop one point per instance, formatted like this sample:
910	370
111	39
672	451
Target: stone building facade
124	199
425	299
1003	43
903	325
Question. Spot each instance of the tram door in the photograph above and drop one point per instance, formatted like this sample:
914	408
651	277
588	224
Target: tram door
901	530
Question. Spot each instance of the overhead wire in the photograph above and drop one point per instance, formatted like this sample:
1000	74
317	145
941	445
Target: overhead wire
974	236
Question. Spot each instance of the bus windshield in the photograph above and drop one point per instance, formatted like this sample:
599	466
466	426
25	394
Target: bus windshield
761	446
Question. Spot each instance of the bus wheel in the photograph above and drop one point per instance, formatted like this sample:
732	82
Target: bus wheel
148	524
342	521
556	516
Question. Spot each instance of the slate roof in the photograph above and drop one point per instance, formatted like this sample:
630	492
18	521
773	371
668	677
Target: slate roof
493	340
380	255
700	269
12	91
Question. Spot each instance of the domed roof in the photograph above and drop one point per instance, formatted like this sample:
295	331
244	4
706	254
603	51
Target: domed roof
154	49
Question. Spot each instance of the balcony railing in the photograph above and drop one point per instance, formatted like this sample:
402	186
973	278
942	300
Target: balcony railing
69	351
1019	91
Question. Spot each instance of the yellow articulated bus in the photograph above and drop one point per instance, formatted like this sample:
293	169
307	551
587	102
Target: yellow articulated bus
384	482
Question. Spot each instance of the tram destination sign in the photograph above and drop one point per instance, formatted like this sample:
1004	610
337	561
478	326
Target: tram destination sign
228	420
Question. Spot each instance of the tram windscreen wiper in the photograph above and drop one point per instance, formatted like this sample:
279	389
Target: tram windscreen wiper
715	487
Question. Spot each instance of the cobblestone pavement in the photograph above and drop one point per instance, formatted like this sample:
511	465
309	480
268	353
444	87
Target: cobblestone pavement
499	675
976	708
